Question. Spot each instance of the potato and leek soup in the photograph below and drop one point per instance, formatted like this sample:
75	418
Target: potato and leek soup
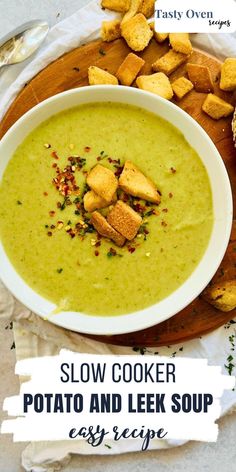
105	209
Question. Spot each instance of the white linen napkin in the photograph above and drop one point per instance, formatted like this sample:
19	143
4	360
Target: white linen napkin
36	337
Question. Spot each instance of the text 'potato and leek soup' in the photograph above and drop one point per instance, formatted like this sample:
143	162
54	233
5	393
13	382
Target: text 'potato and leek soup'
105	209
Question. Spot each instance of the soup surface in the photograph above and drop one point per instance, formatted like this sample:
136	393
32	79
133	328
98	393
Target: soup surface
73	272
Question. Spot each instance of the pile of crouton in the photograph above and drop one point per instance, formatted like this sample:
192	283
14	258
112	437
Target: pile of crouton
136	30
122	222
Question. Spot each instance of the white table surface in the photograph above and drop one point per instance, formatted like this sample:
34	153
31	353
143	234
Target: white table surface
194	456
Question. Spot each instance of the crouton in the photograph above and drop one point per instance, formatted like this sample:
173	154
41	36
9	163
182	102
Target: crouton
228	75
92	201
105	229
156	83
159	37
181	87
216	108
136	32
99	76
129	69
180	42
116	5
110	30
133	10
135	183
103	182
221	295
200	76
169	62
125	220
147	8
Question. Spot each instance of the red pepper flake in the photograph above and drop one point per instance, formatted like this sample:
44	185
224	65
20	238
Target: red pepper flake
131	249
58	204
146	231
96	253
87	149
139	208
52	226
54	165
173	170
163	223
45	194
49	233
54	155
165	210
118	171
170	195
98	243
52	213
99	158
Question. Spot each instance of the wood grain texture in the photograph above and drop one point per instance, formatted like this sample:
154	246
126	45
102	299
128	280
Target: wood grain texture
70	71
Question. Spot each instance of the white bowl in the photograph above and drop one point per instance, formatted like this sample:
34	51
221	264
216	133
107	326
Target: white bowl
222	202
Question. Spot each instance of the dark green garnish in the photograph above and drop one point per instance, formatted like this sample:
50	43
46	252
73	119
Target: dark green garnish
59	271
19	202
76	200
107	445
102	52
66	202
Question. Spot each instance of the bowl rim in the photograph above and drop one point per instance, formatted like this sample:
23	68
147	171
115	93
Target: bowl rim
141	319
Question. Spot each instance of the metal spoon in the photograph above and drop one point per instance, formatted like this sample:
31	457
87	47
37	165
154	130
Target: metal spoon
22	42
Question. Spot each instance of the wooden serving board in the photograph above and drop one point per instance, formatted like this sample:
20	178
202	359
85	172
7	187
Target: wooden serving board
70	71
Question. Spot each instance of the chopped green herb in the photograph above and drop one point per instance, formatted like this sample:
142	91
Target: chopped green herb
19	202
102	52
66	202
46	226
59	270
107	445
13	346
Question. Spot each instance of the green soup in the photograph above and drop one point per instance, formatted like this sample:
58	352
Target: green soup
72	272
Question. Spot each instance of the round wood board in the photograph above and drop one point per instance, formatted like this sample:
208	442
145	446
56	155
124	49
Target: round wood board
70	71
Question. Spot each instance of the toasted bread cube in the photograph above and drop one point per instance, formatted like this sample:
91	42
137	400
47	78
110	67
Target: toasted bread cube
103	182
156	83
181	87
228	75
125	220
147	8
216	108
110	30
135	183
169	62
105	229
159	37
221	295
92	201
116	5
136	32
129	69
133	10
200	76
180	42
99	76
